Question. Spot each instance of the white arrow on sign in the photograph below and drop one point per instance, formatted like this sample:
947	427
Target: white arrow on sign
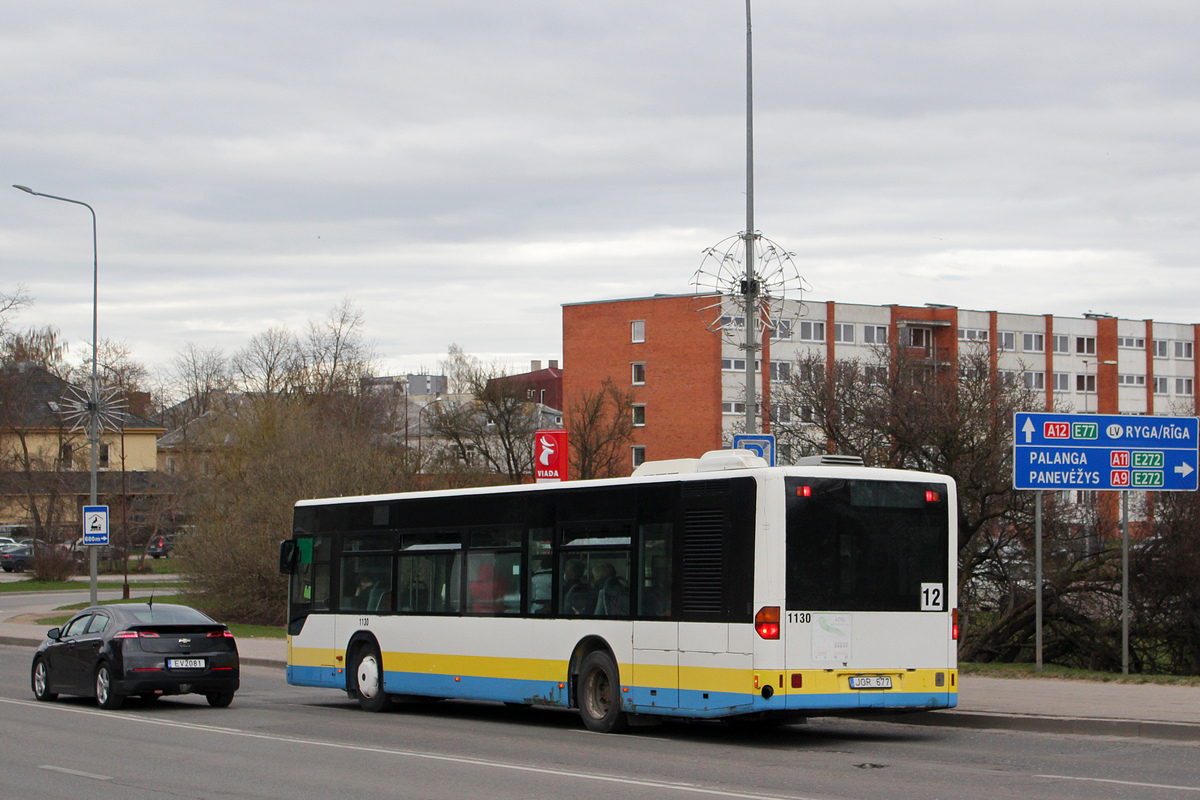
1028	430
1184	470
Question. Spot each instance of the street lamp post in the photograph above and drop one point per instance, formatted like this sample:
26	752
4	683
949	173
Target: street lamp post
94	386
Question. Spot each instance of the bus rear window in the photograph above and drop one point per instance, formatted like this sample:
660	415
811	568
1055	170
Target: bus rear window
856	545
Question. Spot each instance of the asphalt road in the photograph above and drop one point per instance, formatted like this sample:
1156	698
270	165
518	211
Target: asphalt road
279	741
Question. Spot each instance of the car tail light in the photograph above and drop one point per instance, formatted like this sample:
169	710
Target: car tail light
219	634
766	622
126	635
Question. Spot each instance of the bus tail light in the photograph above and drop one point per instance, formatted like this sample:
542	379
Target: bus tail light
766	622
954	625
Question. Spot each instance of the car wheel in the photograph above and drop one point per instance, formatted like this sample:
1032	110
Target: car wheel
155	556
41	681
219	699
368	679
19	566
105	696
600	694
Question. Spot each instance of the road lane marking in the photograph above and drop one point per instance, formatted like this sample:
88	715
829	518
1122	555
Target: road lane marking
596	777
1122	783
52	768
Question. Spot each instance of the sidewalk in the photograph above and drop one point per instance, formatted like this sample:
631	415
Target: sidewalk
1044	705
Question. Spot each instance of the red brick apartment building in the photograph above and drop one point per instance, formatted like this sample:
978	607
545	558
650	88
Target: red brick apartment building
688	382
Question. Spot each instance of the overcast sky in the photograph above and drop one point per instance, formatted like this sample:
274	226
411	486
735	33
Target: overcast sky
462	168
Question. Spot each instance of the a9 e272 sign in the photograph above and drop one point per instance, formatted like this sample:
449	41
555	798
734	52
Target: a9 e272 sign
1105	452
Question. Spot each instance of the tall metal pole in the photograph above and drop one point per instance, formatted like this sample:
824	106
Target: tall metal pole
1124	583
750	287
94	386
1037	546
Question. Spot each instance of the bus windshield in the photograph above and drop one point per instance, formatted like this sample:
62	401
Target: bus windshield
860	545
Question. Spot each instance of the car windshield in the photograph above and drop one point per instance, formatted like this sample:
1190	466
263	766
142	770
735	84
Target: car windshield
168	615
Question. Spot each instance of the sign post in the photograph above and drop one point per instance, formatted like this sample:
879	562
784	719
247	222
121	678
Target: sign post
761	444
1098	452
95	525
550	455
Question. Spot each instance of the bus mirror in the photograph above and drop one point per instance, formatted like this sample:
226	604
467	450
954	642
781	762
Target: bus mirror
287	557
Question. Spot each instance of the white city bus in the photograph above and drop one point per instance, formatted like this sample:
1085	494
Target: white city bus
706	588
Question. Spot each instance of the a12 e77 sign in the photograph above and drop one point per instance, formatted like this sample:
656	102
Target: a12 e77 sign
1105	452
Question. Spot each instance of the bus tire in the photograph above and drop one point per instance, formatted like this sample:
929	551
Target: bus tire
368	678
600	694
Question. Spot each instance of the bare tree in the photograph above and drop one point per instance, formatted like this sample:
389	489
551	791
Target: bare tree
488	419
600	432
197	374
271	363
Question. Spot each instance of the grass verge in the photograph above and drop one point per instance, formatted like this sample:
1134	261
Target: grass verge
1053	671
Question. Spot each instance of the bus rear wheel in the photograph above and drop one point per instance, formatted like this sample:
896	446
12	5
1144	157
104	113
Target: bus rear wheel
600	694
368	679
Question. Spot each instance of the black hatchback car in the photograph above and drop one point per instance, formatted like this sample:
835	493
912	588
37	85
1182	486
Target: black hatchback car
147	649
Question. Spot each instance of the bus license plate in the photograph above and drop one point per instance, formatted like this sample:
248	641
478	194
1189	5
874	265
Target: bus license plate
188	663
871	682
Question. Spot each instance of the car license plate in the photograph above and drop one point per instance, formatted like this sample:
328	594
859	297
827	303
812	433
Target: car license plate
871	682
185	663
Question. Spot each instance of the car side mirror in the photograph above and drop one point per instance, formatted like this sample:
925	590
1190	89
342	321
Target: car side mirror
54	633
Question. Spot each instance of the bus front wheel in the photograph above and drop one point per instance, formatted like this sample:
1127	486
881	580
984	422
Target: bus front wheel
600	694
368	679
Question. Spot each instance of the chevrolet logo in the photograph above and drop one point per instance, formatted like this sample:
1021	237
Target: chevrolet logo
185	641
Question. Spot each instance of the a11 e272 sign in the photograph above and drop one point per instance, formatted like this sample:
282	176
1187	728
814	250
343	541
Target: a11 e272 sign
1105	452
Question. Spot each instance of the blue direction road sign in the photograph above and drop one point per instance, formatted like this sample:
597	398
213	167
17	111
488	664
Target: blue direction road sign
762	444
1105	452
95	525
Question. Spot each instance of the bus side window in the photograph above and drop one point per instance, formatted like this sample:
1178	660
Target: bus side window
654	599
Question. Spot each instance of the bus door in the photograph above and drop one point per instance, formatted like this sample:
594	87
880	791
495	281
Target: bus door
655	633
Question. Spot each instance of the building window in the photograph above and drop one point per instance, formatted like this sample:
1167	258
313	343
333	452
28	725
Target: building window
812	331
1183	350
638	329
781	414
875	376
781	330
1033	342
1034	380
972	335
1161	385
843	333
1131	342
1131	380
1160	348
639	416
1085	345
103	456
1060	343
639	374
1183	387
1062	382
874	334
1006	340
733	408
918	337
1007	378
66	452
738	365
730	323
1085	384
639	456
781	370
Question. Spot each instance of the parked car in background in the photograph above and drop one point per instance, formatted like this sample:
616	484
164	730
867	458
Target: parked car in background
6	541
151	650
160	547
17	559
